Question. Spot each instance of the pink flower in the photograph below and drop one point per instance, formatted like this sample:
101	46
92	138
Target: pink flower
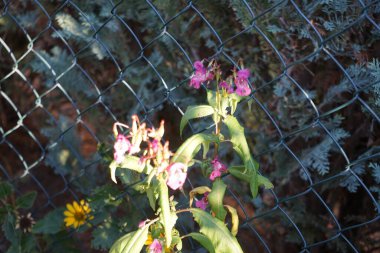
122	145
155	247
196	80
155	145
243	90
218	168
176	175
214	174
217	165
198	65
241	82
203	203
200	75
226	86
243	74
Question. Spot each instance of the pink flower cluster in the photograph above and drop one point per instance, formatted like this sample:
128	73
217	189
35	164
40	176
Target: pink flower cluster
155	153
240	79
218	169
200	75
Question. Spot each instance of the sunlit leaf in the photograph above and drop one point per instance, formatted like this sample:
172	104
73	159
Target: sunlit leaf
220	237
191	146
193	112
167	217
152	194
241	173
203	240
263	181
215	199
132	242
130	162
240	145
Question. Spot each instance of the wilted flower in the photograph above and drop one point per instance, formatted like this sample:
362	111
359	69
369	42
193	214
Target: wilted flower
138	133
176	175
25	222
122	145
77	214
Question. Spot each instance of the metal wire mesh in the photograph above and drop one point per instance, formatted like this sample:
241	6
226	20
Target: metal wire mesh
27	106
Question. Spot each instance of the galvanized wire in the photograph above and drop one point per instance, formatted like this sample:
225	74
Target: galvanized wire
29	167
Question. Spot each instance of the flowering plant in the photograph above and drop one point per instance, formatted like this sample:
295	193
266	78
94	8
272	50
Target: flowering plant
142	150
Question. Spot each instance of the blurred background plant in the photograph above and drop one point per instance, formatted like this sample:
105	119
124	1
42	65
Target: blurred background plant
70	69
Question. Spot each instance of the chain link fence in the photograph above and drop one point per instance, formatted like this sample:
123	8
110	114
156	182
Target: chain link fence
70	69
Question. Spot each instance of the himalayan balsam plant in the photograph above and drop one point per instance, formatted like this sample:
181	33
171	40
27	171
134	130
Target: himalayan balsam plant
142	150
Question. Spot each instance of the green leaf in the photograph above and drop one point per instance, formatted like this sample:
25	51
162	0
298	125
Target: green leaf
104	236
234	99
152	194
5	189
193	112
254	185
265	182
234	219
215	199
10	232
241	173
132	242
220	237
130	162
219	102
167	218
26	201
29	243
211	98
240	145
198	190
203	240
191	146
51	223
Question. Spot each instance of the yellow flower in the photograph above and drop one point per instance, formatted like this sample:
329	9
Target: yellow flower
77	214
149	240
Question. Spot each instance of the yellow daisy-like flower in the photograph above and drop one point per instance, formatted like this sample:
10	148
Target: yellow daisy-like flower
77	214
